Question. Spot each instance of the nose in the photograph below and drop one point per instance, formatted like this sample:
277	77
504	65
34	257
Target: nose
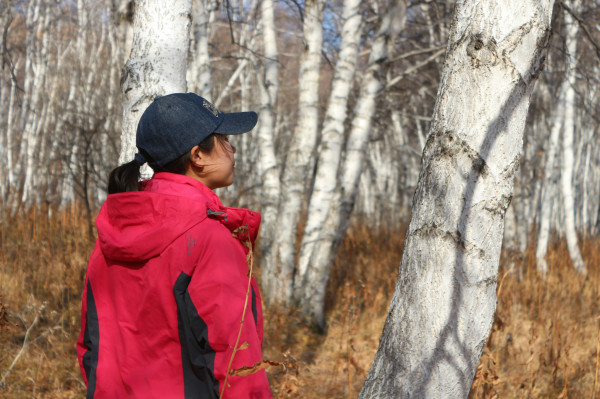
233	148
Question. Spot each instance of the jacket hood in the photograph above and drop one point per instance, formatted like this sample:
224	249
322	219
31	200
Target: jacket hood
136	226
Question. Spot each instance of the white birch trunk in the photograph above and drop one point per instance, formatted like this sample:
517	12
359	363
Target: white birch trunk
525	212
5	111
445	298
123	13
198	74
31	18
114	68
271	61
330	211
40	162
371	87
509	246
265	132
593	187
548	185
73	112
279	260
245	39
111	124
585	203
31	129
157	64
232	79
572	28
10	176
315	248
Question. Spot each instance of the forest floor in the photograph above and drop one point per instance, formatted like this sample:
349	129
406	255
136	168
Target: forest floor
545	340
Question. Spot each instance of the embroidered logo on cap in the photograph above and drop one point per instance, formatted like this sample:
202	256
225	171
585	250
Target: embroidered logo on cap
211	108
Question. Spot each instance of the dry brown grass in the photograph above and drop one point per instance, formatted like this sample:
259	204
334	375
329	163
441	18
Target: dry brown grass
545	342
42	266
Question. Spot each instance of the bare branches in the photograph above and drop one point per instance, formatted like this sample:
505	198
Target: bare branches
583	26
415	67
418	52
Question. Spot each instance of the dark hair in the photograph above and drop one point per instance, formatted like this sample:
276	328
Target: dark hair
126	177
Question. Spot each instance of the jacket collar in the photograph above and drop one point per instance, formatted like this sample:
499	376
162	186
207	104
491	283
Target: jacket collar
233	218
181	185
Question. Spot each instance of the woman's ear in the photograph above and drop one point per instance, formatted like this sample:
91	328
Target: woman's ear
196	156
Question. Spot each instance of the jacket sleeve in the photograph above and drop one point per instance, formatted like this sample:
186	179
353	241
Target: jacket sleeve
221	295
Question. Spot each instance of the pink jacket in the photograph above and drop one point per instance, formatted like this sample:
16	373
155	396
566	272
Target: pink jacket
164	295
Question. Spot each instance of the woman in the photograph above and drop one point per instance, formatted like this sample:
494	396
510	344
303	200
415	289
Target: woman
167	285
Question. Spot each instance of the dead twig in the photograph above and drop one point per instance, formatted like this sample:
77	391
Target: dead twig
24	346
250	260
415	67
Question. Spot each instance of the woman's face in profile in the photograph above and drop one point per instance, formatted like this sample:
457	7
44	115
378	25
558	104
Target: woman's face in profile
218	166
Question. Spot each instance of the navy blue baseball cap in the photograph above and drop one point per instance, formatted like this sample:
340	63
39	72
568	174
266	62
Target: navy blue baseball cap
175	123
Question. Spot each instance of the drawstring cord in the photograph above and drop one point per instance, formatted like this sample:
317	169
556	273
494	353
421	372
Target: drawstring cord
210	212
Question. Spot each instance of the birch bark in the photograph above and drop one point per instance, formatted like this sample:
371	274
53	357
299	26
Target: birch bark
123	13
198	74
330	209
278	264
73	111
549	185
157	64
572	27
445	298
271	61
111	124
38	25
585	203
265	132
10	176
321	200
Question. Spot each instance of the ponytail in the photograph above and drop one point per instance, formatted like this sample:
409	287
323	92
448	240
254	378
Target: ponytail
124	178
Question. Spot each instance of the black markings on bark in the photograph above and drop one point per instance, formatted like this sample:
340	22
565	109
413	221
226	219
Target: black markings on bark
448	144
482	51
499	207
435	231
510	171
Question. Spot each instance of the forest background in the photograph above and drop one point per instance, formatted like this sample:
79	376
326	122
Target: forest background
60	117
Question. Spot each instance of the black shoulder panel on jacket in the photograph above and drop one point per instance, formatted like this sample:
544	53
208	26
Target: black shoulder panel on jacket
198	358
91	339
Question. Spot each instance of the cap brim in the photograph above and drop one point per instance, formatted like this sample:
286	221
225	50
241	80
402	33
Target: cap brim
237	122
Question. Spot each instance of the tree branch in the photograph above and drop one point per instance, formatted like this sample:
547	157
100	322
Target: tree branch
415	67
23	347
583	26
